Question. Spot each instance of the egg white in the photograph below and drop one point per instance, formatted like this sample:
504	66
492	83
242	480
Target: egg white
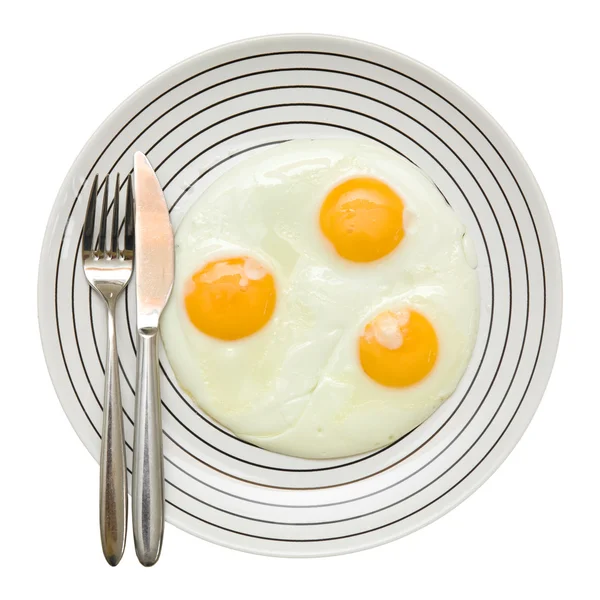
296	386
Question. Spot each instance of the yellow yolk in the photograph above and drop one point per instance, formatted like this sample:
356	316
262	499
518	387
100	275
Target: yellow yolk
362	218
230	299
398	349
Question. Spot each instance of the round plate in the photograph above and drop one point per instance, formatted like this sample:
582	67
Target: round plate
197	120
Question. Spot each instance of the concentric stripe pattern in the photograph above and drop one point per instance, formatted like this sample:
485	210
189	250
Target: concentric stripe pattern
197	120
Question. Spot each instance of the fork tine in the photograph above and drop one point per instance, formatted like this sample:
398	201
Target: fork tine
129	218
90	213
114	238
103	219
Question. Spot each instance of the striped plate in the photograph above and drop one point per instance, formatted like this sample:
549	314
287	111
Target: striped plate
197	120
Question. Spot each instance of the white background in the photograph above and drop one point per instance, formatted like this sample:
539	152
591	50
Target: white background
533	528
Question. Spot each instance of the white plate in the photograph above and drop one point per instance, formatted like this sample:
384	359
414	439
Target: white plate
194	122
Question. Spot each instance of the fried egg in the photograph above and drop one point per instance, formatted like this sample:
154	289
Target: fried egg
325	300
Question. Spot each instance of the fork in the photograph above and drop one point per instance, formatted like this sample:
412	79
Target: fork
108	270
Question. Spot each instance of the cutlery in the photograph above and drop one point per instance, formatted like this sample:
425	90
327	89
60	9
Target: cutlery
108	271
155	264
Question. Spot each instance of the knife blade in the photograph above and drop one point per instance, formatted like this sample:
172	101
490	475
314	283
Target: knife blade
154	245
154	267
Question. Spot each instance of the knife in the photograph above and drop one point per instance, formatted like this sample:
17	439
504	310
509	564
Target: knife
154	267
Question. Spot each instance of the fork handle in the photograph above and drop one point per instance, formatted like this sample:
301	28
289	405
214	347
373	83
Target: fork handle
113	479
148	481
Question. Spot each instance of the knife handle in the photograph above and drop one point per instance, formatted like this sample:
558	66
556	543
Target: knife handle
148	480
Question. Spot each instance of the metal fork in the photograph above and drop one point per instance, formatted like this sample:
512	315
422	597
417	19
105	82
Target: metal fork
108	270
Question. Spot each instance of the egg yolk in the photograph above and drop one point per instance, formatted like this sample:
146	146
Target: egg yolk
398	349
230	299
362	218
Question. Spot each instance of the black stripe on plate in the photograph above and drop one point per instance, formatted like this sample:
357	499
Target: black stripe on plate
539	245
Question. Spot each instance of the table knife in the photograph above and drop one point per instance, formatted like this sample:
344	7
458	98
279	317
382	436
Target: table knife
154	267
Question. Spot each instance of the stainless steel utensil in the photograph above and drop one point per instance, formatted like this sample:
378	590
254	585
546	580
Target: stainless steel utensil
155	265
108	270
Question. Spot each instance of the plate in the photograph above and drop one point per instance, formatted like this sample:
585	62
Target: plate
206	114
